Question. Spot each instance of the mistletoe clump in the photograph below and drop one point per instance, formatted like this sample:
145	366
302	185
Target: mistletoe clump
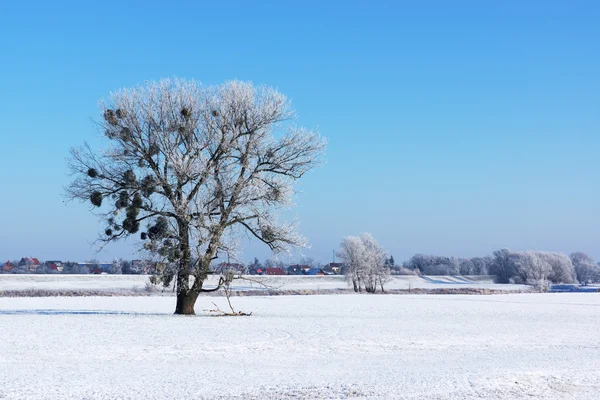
96	198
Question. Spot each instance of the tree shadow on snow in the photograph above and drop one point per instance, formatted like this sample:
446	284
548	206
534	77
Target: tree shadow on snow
77	312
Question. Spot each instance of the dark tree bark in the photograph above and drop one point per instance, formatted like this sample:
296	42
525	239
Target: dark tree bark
186	298
185	302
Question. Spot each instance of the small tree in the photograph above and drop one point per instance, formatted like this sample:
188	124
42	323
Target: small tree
190	168
351	253
126	267
375	273
366	262
116	267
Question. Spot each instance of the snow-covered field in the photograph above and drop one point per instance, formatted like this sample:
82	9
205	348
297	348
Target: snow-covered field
516	346
136	283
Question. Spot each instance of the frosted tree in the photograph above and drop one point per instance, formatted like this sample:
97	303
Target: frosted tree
503	266
562	269
116	267
579	257
351	253
190	168
586	269
365	261
376	272
481	265
533	268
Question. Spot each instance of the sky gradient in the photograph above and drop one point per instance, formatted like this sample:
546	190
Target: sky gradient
453	129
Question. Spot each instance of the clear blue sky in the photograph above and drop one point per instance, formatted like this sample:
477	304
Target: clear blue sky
455	128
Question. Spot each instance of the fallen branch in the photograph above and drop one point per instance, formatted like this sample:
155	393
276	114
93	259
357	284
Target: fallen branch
233	313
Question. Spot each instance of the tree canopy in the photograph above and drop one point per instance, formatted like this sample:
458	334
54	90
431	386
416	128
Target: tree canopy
190	168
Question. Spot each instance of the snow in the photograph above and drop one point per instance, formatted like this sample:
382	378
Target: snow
515	346
133	283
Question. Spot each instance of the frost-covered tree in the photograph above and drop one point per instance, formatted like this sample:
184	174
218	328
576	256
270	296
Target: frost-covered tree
434	265
503	266
116	267
365	263
562	268
189	168
586	269
466	266
351	254
533	268
481	265
376	272
579	257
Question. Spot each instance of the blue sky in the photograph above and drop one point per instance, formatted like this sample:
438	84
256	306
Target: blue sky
454	128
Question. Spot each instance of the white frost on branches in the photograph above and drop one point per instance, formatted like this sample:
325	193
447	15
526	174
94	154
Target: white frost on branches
365	263
199	166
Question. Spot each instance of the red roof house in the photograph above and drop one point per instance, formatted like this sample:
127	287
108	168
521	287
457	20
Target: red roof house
274	271
31	264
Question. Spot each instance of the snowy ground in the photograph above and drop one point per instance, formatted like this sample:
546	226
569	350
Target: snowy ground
517	346
133	283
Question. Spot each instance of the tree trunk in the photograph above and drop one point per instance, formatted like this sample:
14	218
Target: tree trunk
186	298
185	303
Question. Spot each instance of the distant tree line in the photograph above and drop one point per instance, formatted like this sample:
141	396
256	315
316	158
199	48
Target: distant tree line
367	266
536	268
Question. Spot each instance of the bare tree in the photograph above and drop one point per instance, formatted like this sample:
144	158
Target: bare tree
199	166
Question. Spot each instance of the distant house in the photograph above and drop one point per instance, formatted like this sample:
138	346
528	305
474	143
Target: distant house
256	270
31	264
54	265
274	271
90	268
94	268
333	269
7	267
298	269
